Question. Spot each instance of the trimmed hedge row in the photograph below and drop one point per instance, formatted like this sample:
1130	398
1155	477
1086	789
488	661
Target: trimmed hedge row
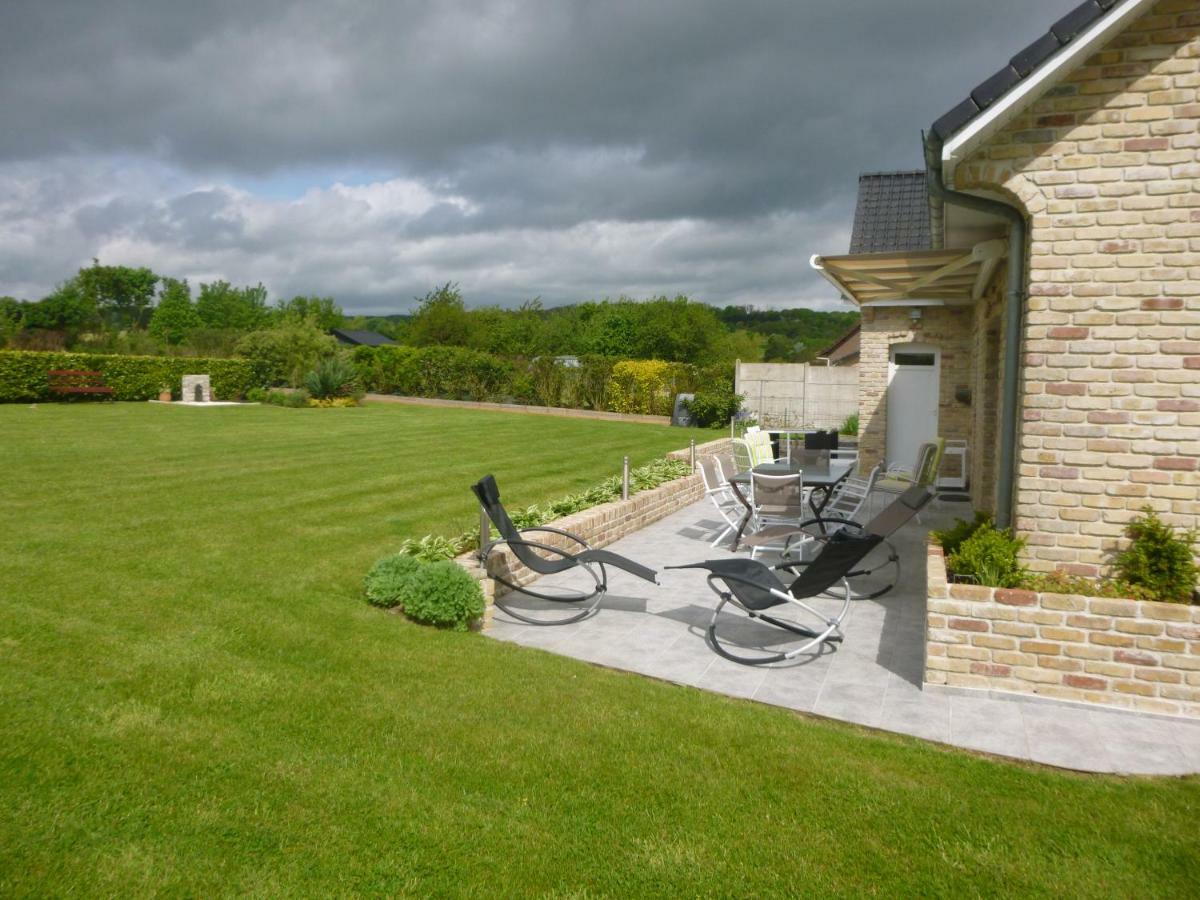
23	374
456	373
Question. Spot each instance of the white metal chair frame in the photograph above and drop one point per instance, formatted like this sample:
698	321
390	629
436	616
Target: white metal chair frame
716	489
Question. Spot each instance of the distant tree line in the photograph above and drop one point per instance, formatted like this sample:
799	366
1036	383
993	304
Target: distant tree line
120	309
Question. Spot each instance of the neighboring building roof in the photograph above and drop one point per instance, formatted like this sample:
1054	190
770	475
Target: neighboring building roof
892	213
845	350
363	338
1023	65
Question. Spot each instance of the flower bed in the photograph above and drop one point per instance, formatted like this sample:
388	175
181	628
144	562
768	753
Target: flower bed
1134	654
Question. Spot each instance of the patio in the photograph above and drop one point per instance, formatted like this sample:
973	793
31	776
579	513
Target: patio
873	678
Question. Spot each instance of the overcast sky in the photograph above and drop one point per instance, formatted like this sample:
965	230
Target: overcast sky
567	149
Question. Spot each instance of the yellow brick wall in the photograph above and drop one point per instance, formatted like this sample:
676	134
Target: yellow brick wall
949	329
1107	166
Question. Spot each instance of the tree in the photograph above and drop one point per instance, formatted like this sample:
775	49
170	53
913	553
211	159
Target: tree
68	309
441	319
778	349
12	317
122	295
321	312
175	316
284	355
220	305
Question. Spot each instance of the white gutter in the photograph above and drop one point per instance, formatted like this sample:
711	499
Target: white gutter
1064	62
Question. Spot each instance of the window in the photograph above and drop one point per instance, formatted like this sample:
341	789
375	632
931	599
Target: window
913	359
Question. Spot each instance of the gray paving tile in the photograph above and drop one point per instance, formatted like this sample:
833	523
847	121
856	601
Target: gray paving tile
994	726
726	677
926	716
859	703
784	689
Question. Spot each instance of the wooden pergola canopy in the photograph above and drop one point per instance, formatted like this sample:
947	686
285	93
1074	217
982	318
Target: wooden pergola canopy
904	276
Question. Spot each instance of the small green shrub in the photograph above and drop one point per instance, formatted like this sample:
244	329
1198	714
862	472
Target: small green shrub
333	377
1158	560
291	399
952	537
443	594
714	407
1059	582
256	395
989	557
387	583
850	426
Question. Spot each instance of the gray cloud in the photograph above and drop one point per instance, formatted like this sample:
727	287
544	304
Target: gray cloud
506	131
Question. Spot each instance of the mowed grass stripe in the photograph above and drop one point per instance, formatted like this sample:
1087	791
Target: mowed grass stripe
202	704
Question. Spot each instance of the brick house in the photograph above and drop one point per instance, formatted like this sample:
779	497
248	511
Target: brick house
1052	319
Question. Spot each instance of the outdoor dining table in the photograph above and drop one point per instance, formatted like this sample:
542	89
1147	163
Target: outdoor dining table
822	475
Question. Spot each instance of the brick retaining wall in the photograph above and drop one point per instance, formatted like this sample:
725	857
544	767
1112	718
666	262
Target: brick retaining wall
1126	653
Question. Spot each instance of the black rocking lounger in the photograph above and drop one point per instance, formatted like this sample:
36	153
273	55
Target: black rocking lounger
753	587
592	561
809	536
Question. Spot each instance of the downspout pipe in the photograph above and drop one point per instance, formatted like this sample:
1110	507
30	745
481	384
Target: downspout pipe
1013	307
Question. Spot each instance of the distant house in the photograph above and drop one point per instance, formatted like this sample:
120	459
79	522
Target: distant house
1035	292
362	338
845	351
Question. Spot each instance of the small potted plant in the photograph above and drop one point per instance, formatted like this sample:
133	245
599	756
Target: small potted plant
164	393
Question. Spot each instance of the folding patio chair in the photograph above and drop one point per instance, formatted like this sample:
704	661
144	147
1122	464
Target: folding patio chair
776	501
717	490
591	561
753	587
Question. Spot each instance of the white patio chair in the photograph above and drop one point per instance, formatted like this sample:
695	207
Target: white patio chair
717	490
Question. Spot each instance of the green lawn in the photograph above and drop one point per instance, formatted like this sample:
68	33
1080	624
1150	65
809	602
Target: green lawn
194	699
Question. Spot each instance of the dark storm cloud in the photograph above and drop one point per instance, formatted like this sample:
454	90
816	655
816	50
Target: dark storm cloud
515	116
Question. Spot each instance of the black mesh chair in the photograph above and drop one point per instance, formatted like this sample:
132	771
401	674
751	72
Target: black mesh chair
578	604
809	537
753	587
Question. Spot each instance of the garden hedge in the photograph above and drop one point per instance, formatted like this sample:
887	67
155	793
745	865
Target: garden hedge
597	382
23	374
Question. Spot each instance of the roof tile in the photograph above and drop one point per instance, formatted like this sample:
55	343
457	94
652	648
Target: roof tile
1076	20
994	87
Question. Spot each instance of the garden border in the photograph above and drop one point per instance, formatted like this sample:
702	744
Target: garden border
521	408
599	525
1131	654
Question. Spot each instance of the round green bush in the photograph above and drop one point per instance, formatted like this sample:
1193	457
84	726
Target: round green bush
443	594
388	582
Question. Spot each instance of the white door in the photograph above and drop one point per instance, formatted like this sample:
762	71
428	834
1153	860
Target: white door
914	372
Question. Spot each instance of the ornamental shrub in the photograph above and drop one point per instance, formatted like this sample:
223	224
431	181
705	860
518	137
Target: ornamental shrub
989	557
388	581
433	548
1158	560
23	374
333	377
443	594
715	406
646	386
850	426
952	537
